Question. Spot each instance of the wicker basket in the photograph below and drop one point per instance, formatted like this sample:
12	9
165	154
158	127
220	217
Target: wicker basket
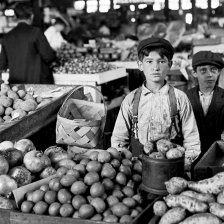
81	122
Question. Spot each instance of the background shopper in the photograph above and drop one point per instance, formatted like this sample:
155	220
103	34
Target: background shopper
26	51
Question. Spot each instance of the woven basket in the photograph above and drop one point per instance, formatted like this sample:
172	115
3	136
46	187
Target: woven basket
81	122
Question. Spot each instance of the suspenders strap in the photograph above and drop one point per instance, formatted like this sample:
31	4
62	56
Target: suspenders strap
135	111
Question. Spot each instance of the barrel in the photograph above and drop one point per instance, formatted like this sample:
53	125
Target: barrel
155	172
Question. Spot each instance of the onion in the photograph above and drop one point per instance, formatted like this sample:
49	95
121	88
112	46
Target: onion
6	145
7	184
25	145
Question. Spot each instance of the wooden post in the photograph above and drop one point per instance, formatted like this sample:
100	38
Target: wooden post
111	4
194	14
98	5
209	9
166	10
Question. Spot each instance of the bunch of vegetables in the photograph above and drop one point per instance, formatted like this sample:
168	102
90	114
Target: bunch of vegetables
88	64
101	187
191	202
163	149
16	103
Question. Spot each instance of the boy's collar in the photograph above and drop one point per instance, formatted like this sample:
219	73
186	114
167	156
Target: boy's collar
164	89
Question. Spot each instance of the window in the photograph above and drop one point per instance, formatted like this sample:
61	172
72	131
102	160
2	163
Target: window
92	5
104	5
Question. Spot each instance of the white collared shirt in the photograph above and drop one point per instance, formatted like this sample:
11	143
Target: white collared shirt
205	101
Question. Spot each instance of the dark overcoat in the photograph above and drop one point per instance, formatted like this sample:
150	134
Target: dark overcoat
27	54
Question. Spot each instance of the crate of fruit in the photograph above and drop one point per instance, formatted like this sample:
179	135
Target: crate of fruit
95	187
86	79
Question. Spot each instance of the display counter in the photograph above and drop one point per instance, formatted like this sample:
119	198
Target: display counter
90	79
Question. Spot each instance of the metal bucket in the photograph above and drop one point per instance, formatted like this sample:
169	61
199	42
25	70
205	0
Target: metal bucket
155	172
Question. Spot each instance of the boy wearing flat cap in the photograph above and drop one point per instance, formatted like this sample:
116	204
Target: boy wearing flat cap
207	98
156	110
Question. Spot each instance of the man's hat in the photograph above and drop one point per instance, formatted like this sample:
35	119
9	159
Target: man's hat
156	42
207	58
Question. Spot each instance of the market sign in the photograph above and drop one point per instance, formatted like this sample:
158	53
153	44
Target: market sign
121	2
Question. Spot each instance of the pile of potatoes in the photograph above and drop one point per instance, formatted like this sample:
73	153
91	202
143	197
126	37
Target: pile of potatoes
16	103
163	149
190	202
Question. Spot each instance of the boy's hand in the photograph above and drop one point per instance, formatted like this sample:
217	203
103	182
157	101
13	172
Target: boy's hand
148	148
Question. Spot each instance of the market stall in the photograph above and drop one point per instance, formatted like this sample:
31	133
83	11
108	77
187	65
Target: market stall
45	113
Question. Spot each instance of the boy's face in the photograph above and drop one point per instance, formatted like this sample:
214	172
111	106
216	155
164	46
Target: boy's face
207	75
155	67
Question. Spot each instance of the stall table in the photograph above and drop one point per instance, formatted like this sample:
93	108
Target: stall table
90	79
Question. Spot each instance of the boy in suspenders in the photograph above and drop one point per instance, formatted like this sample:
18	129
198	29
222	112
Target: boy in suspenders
156	110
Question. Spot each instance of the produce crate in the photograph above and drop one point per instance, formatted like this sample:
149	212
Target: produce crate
38	119
16	217
211	163
90	79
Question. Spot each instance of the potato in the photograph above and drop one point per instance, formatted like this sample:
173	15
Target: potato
157	155
176	185
213	185
160	208
28	96
15	88
200	196
7	118
11	94
2	110
21	93
39	99
4	88
163	145
202	218
220	197
18	113
28	105
8	111
174	153
172	216
217	209
149	147
6	101
191	204
17	103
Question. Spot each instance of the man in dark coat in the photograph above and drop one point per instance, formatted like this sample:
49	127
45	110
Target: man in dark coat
207	98
26	51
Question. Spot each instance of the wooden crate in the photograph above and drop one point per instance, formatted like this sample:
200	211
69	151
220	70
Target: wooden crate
90	79
33	122
16	217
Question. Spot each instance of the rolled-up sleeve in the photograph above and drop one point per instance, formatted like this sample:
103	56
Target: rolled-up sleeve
191	140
